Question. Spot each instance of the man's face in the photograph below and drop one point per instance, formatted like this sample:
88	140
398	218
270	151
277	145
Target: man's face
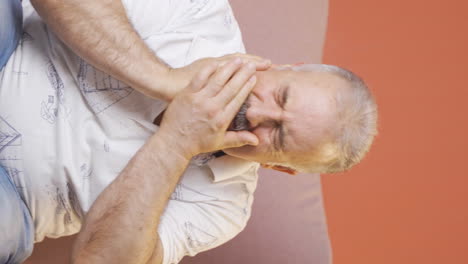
289	111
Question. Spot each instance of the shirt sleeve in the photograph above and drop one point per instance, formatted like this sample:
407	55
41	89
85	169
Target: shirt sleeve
182	31
189	228
149	17
203	214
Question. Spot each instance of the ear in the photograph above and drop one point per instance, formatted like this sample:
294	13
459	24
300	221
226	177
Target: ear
280	168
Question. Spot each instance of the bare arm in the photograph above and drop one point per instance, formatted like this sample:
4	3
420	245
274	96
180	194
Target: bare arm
100	32
121	226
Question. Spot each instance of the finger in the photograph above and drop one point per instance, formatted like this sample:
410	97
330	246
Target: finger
234	105
261	63
236	83
264	65
201	79
245	56
221	77
238	139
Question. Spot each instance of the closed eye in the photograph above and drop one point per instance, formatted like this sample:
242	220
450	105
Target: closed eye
284	96
278	140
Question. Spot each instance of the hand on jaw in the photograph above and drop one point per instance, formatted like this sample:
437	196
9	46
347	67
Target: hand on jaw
198	117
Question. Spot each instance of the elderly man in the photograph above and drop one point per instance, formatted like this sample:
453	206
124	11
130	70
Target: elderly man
68	130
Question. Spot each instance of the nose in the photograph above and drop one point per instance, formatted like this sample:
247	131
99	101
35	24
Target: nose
262	116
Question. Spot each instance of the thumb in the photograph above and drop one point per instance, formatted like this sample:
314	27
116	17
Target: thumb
234	139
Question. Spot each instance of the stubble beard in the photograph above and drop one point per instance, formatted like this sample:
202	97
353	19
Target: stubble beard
240	121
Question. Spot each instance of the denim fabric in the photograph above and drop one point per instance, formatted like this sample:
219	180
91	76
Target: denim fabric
11	24
16	225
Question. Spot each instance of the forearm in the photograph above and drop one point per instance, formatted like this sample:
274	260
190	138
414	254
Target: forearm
100	32
121	226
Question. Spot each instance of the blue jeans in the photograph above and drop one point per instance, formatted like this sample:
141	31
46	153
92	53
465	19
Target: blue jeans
11	28
16	225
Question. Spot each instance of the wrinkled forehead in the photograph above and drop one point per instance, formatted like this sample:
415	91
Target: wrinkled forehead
311	109
313	93
314	80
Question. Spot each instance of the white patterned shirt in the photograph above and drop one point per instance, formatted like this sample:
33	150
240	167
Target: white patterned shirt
67	130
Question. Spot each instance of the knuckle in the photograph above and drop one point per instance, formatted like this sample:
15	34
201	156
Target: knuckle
249	68
219	123
207	68
198	78
222	63
213	64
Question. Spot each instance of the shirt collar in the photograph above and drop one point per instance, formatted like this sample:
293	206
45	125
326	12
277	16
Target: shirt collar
227	167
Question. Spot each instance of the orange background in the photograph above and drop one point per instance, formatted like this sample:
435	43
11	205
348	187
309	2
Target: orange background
408	201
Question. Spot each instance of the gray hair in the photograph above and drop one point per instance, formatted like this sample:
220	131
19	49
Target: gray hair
355	126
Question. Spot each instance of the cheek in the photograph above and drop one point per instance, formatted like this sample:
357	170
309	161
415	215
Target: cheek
263	135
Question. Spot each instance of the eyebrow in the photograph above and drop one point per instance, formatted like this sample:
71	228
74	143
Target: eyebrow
285	96
280	142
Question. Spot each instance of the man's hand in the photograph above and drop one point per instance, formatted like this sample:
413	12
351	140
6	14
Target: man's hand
200	115
179	78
